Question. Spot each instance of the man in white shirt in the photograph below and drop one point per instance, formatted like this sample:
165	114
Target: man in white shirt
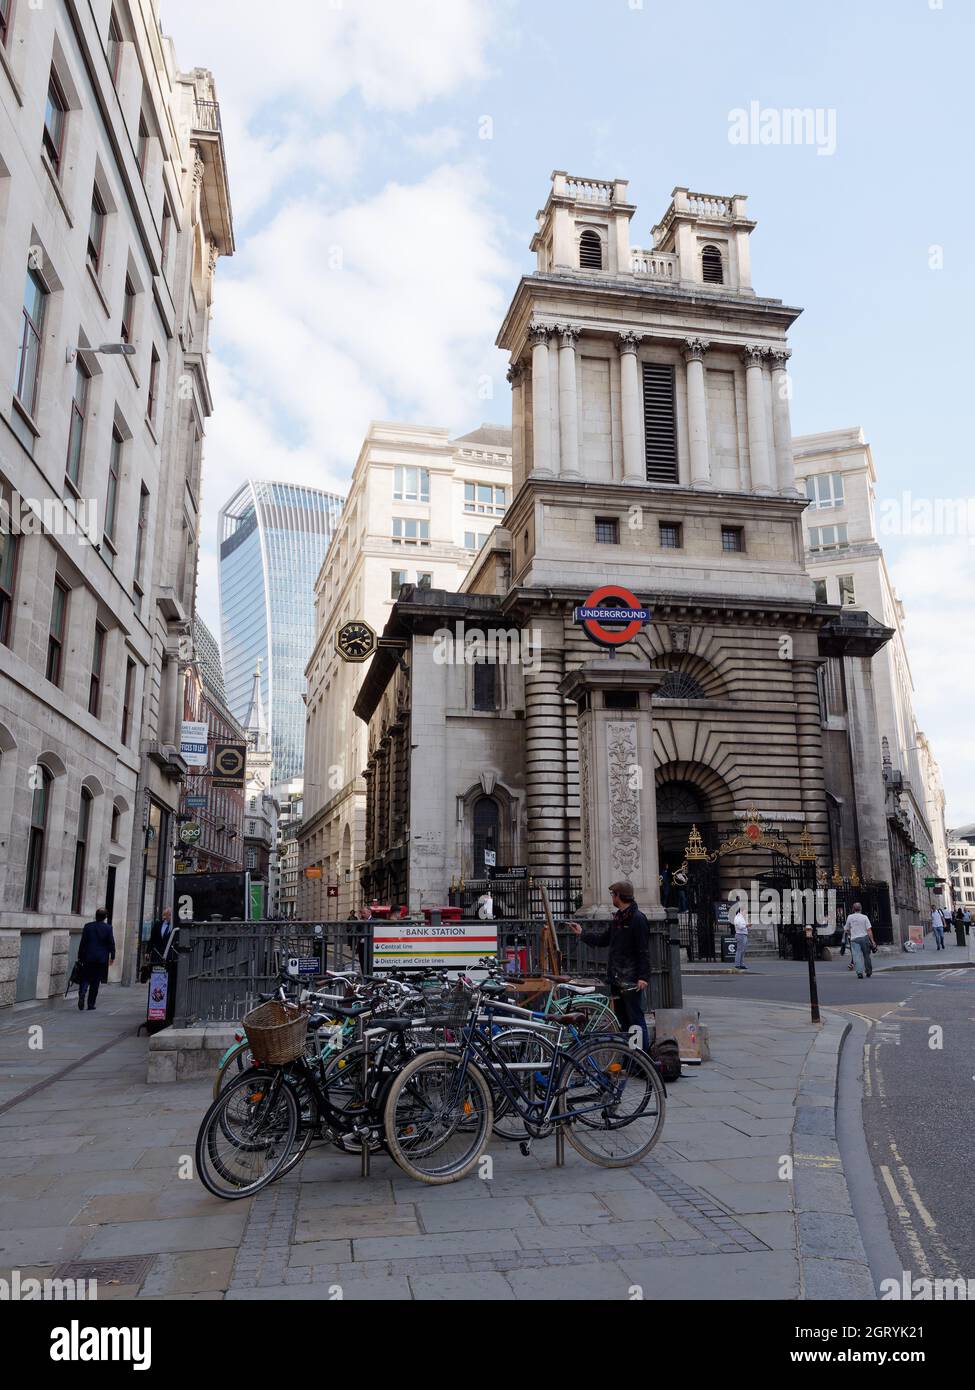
862	944
938	927
741	938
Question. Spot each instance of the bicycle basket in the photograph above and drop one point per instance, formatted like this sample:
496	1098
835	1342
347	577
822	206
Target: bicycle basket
451	1009
276	1032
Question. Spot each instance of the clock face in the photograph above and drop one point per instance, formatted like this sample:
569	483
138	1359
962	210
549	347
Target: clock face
355	641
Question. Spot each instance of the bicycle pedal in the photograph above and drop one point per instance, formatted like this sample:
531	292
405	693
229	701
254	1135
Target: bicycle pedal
526	1148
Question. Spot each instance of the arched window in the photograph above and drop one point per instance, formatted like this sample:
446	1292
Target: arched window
711	266
590	251
35	841
81	852
116	823
678	685
486	826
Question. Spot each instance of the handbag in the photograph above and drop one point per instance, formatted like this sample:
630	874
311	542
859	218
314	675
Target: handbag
75	977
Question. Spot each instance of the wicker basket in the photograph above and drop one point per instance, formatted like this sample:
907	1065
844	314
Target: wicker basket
276	1032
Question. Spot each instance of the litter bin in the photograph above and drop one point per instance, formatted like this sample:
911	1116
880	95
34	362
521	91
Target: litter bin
728	949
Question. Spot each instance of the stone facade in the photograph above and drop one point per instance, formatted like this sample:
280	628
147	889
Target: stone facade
890	795
114	205
651	449
371	557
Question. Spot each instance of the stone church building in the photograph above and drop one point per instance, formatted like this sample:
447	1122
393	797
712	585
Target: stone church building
651	450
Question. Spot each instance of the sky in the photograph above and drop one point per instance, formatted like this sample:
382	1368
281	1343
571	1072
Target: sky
387	158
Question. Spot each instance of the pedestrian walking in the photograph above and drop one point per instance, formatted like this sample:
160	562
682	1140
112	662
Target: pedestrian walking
938	927
862	943
959	921
628	967
741	938
96	950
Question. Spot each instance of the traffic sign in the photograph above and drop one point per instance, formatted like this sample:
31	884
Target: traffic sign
595	611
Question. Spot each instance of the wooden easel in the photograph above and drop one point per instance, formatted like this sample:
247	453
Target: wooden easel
532	987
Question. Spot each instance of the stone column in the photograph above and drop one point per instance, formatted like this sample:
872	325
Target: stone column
516	378
168	696
809	735
541	404
545	752
697	412
568	403
785	468
553	399
758	452
617	794
634	453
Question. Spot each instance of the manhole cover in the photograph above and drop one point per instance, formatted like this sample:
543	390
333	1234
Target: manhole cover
129	1271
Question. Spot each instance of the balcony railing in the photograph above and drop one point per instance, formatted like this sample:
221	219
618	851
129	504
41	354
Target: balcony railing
207	116
657	265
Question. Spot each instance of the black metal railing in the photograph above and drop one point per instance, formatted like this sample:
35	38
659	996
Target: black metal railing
224	966
521	899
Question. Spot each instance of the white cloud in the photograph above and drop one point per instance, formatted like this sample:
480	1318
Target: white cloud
434	144
397	55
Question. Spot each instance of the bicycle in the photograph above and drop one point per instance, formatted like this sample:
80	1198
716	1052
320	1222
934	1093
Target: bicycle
607	1096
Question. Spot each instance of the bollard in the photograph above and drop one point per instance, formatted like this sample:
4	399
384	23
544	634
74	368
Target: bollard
813	989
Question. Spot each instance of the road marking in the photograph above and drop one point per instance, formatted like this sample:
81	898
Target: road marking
934	1235
867	1083
907	1226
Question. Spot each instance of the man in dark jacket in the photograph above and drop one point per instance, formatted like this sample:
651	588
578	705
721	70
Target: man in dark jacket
95	950
628	967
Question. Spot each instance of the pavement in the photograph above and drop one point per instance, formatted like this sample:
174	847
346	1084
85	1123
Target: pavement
930	958
744	1196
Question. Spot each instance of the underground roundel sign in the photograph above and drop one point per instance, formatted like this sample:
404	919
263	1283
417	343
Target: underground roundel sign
599	608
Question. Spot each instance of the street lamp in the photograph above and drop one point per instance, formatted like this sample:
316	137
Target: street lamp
106	350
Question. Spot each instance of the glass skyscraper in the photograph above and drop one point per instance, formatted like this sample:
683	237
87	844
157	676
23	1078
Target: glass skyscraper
273	538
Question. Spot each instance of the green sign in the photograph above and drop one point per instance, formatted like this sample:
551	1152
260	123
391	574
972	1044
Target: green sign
919	859
256	913
930	882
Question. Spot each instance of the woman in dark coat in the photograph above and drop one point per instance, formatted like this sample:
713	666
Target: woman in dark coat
95	951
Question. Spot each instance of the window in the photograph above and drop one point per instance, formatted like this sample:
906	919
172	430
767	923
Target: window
116	824
142	145
29	351
660	422
76	429
827	537
128	311
95	680
473	540
607	530
96	230
820	587
55	639
590	251
128	696
411	484
712	271
410	531
5	6
732	538
848	594
424	580
670	535
251	859
153	387
81	853
825	490
140	534
485	685
250	827
8	570
111	496
35	842
485	499
55	120
165	232
114	46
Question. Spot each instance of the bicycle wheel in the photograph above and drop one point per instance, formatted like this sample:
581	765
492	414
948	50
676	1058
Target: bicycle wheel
307	1123
615	1101
247	1134
600	1018
428	1115
342	1079
236	1061
532	1055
